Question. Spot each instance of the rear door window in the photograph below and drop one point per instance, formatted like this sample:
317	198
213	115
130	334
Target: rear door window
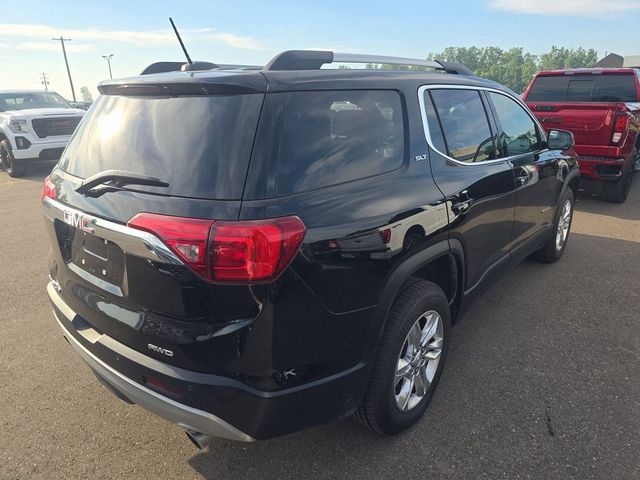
332	137
199	144
435	130
519	133
465	125
584	88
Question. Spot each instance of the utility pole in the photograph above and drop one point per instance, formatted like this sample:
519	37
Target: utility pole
108	59
45	81
66	62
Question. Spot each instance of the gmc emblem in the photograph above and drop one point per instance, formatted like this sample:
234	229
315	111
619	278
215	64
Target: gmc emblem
60	123
79	221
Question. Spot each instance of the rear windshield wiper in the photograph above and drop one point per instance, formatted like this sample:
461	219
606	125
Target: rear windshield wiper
118	178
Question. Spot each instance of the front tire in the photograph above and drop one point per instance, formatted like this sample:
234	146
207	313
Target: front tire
409	360
557	242
15	168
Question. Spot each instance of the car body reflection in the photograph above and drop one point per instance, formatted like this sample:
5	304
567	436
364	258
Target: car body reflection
403	232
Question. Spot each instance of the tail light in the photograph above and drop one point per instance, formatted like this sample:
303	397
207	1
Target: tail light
239	252
48	190
619	128
186	237
385	235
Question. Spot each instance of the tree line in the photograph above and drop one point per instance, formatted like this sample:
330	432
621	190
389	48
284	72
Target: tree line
514	67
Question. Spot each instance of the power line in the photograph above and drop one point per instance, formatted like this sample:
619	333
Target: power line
66	62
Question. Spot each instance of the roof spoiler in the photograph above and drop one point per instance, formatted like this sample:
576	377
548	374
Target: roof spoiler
160	67
314	59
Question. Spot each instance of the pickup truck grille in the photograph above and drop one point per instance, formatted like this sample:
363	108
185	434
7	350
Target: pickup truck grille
51	127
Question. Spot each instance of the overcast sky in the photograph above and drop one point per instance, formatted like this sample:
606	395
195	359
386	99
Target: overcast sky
137	33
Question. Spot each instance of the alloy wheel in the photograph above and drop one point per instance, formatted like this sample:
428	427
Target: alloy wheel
564	223
418	360
4	158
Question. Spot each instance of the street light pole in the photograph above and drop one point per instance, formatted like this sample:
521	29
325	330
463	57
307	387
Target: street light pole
108	59
66	62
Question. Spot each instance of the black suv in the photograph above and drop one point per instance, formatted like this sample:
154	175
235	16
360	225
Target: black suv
250	252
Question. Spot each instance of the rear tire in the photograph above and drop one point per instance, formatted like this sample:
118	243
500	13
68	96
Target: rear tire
619	191
411	241
390	404
15	168
557	242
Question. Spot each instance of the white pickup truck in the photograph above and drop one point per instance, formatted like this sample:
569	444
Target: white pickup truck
34	126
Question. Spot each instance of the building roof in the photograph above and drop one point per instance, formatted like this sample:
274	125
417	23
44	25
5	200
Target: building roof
613	60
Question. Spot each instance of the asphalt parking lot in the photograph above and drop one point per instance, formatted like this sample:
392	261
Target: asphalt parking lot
542	381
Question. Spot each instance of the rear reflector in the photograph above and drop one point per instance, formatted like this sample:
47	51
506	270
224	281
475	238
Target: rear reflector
237	252
48	190
164	387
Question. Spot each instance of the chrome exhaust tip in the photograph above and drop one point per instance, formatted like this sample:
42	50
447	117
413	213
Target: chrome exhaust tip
199	439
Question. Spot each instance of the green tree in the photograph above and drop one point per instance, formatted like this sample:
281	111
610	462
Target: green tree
86	94
560	57
515	67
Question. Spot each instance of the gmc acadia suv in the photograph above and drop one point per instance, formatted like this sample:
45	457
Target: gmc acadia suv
251	252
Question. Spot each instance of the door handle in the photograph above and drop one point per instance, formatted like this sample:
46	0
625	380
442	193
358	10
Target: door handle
461	207
463	204
521	180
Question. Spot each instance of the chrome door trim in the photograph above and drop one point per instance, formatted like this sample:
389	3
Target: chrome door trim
425	124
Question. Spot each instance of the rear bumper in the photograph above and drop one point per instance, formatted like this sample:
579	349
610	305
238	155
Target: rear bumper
213	405
183	415
605	169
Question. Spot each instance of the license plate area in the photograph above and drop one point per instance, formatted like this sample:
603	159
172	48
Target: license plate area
97	256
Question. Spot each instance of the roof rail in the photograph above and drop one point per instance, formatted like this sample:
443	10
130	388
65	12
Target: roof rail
314	59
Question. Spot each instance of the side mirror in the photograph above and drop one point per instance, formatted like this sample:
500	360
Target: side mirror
560	140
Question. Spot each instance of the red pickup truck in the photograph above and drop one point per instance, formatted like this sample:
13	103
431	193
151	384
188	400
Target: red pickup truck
601	106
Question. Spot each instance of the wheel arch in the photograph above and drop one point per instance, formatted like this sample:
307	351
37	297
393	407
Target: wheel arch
572	181
441	263
417	228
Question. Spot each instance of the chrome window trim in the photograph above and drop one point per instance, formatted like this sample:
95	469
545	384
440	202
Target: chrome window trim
425	124
130	240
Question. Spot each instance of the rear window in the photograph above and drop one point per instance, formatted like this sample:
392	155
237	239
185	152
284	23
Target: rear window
337	136
201	145
584	88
